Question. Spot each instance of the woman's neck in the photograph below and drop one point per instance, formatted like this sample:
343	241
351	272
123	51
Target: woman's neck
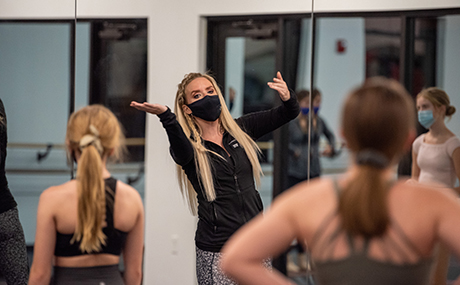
209	130
439	128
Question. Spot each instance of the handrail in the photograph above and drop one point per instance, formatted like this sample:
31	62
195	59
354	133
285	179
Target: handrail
128	142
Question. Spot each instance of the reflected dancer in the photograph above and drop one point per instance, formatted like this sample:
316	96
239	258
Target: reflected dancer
86	223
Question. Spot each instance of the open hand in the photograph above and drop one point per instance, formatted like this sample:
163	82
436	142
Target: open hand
279	85
155	109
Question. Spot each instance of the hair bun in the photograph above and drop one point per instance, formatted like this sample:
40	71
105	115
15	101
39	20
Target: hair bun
450	110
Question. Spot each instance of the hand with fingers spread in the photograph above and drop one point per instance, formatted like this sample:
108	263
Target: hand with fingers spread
280	85
155	109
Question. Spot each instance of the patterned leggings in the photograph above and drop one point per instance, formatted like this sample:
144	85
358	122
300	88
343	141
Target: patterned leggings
208	270
13	253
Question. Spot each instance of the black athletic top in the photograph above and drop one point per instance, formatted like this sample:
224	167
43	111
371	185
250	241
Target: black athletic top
6	199
115	238
237	200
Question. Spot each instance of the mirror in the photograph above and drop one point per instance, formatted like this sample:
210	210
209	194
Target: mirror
36	45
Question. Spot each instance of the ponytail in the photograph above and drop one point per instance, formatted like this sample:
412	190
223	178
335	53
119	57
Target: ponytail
91	196
376	121
363	203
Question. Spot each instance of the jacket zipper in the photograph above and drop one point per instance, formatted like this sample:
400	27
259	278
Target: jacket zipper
238	190
215	217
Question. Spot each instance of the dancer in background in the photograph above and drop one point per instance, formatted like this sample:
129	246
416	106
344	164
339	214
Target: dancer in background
218	161
363	227
436	155
304	153
85	224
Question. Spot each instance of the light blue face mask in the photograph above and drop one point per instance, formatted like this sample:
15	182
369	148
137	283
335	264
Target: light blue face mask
426	118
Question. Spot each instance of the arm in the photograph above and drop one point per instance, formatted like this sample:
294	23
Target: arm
134	247
448	224
329	152
456	160
415	173
181	148
263	237
45	241
260	123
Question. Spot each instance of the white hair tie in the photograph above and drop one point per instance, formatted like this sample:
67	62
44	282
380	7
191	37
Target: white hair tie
91	139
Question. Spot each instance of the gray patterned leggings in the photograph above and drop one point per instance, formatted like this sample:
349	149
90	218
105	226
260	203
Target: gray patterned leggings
13	252
208	270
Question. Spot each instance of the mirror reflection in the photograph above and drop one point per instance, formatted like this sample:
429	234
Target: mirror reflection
418	49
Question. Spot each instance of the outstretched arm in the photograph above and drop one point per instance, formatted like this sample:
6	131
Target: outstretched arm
181	148
154	109
260	123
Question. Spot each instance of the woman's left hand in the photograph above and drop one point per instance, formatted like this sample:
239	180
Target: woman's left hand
279	85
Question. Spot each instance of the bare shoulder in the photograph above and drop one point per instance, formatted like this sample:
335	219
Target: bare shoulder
58	192
433	194
127	194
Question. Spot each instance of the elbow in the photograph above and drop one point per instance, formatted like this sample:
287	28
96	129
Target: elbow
229	264
133	276
39	277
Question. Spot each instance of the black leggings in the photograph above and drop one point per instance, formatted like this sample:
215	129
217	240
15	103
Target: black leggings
99	275
13	253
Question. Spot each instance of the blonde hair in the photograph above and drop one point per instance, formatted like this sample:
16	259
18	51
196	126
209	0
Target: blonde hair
377	117
193	133
95	132
438	98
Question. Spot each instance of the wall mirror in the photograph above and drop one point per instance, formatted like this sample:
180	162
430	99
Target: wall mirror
52	64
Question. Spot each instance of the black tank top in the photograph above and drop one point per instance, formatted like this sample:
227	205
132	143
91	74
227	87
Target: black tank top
115	238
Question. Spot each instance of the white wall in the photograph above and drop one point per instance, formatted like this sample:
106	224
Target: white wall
449	64
176	39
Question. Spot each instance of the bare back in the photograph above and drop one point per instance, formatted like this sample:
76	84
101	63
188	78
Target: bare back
417	215
62	202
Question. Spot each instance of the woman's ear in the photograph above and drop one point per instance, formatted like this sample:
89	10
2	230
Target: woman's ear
186	109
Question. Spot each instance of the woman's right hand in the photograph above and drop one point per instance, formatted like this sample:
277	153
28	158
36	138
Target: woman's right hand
155	109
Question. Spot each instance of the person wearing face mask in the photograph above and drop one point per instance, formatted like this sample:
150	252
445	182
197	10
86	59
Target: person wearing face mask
436	155
301	153
299	131
217	161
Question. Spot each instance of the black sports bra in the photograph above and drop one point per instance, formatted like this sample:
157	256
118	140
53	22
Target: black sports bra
115	238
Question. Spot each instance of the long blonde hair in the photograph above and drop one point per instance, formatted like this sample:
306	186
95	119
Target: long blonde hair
376	117
193	133
95	132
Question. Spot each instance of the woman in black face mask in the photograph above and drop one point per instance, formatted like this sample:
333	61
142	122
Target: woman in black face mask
217	161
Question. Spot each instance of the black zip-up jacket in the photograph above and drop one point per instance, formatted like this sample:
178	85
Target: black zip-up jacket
237	200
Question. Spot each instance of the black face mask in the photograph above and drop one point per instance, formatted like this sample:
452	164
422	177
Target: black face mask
208	108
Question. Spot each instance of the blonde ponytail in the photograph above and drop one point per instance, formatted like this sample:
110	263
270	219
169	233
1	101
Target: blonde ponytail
91	201
96	134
